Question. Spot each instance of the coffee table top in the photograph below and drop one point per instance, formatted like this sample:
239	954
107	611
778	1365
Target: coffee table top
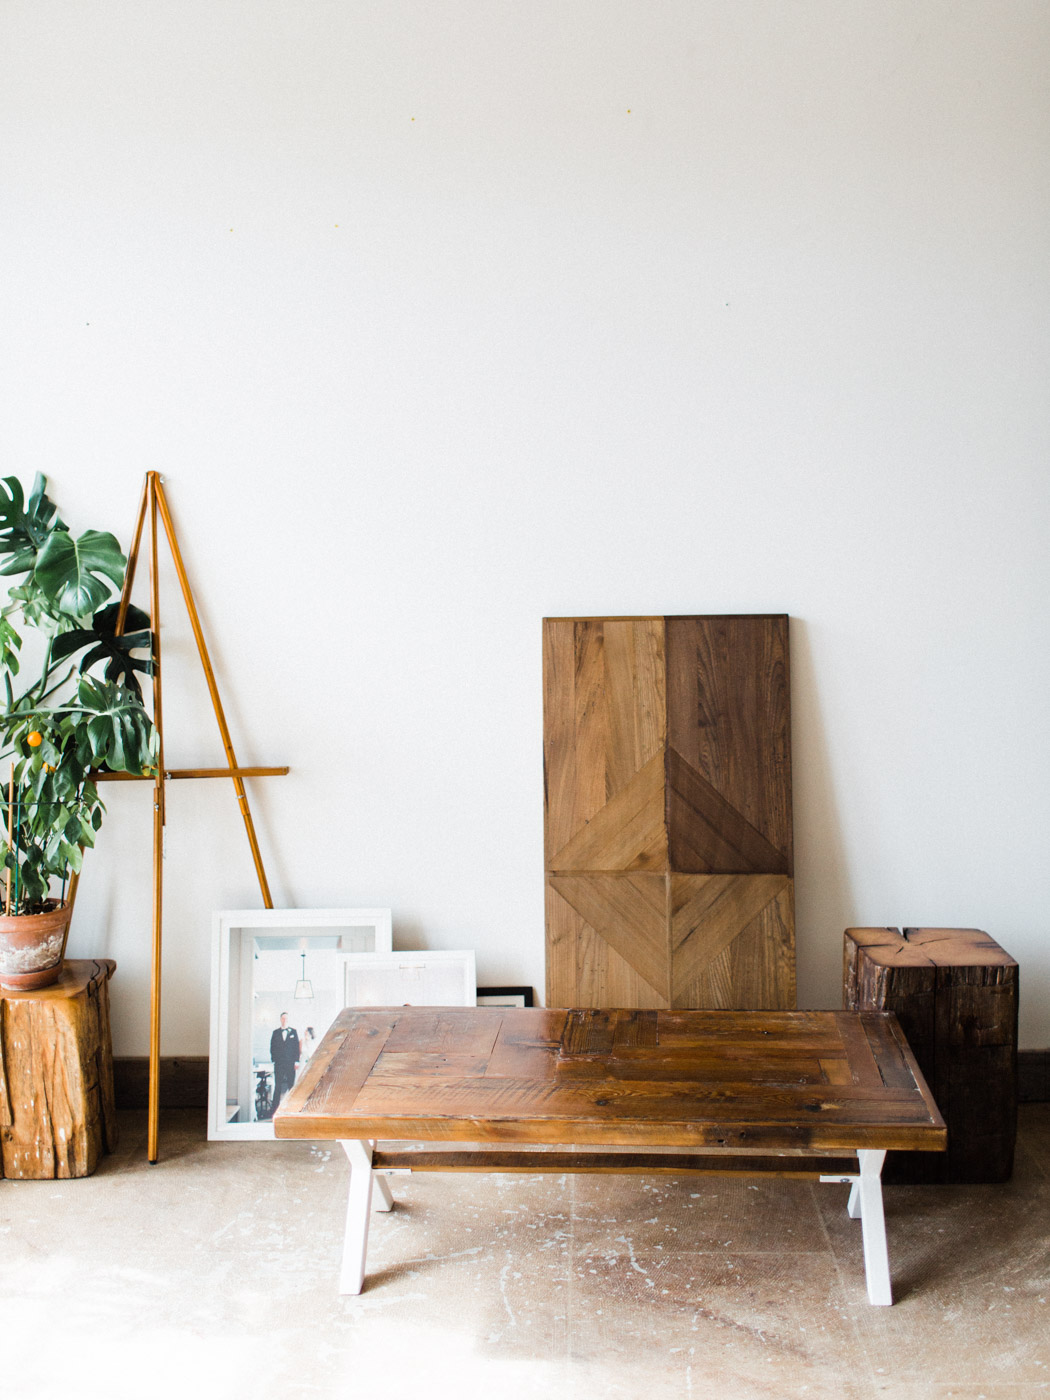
762	1080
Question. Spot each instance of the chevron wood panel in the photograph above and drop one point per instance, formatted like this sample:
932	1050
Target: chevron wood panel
709	911
583	968
729	719
667	807
637	707
733	941
628	833
628	911
604	715
560	820
710	835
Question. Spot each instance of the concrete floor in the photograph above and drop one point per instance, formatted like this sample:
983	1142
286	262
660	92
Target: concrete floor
213	1274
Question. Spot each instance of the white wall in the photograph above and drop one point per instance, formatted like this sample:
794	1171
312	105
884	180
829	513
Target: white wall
441	317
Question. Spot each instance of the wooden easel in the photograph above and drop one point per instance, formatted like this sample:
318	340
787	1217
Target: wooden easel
154	504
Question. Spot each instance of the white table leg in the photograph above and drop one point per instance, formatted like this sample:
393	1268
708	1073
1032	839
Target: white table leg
868	1189
865	1204
381	1197
352	1272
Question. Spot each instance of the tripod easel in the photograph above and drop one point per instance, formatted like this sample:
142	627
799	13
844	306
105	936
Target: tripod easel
154	504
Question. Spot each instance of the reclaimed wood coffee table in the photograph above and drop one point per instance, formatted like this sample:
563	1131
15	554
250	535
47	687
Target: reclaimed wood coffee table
785	1093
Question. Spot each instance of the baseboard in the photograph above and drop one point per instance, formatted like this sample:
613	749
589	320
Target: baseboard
183	1081
1033	1076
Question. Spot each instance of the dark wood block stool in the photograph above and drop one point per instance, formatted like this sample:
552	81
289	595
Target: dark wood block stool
954	991
57	1113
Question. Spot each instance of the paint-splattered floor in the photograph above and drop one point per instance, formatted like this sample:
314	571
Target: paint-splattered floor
213	1274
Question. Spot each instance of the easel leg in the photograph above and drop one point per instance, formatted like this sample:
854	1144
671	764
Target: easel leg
153	1124
213	689
355	1244
868	1190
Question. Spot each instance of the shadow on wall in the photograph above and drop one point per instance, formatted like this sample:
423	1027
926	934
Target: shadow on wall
824	904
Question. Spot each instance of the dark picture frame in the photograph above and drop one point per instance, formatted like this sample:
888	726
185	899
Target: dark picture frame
506	996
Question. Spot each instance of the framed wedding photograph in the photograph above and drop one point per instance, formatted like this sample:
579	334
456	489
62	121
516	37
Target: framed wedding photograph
278	980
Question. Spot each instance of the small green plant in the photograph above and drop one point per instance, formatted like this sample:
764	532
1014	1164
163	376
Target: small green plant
83	712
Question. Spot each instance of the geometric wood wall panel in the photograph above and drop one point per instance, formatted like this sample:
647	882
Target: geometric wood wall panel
580	959
629	913
667	812
628	833
728	724
733	941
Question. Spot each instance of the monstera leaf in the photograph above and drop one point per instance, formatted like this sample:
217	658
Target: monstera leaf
24	528
119	734
10	641
67	570
107	646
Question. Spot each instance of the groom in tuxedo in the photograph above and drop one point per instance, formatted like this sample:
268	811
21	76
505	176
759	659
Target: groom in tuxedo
284	1052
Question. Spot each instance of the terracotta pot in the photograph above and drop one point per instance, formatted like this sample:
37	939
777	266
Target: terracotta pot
32	947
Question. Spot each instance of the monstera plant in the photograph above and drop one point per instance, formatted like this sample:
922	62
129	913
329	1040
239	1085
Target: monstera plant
72	708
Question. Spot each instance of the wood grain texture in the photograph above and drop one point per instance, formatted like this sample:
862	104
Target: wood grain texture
57	1109
604	715
635	696
799	1168
584	968
773	1095
592	1032
590	722
667	754
955	992
629	912
628	833
959	947
709	834
560	820
732	941
729	719
756	970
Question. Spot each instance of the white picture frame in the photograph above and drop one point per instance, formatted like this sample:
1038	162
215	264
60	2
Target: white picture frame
257	962
425	978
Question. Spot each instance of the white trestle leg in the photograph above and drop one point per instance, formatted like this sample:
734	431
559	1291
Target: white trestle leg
873	1226
381	1197
355	1244
865	1204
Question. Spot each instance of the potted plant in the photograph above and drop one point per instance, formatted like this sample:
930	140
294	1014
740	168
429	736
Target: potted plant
81	713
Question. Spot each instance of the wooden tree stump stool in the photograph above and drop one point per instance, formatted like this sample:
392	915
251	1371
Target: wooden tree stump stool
57	1113
954	991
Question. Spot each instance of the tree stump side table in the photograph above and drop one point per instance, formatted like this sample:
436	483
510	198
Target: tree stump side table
954	991
57	1112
